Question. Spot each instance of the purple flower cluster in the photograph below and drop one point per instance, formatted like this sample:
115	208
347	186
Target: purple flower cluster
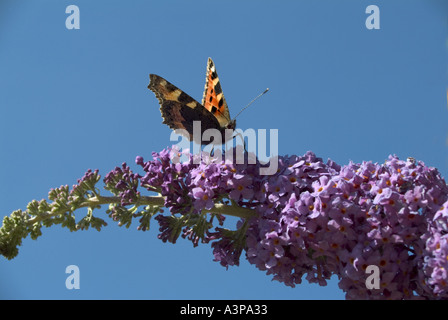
435	263
123	183
87	182
316	219
323	220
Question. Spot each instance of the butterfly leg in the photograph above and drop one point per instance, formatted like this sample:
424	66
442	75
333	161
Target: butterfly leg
210	153
242	139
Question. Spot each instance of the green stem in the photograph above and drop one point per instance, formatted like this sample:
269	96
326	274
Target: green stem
233	210
219	208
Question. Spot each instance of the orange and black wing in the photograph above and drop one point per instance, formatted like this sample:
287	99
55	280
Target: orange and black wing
213	99
178	109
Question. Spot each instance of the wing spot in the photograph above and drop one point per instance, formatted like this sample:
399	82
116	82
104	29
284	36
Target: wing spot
220	103
169	87
214	109
173	95
192	105
184	98
218	88
211	99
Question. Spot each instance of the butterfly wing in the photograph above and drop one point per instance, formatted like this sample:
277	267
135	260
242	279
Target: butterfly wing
213	99
178	109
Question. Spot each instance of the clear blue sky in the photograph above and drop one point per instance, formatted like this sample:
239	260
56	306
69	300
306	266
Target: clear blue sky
71	100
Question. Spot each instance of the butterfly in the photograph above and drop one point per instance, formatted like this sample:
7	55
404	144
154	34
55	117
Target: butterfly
179	110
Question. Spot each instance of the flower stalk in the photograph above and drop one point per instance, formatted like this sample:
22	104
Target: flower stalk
310	220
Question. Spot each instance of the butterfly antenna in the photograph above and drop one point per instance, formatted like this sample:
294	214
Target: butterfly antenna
251	102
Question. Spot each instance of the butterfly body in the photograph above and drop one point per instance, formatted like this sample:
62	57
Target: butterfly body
179	110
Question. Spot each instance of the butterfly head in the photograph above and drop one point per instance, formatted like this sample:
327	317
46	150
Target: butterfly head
231	124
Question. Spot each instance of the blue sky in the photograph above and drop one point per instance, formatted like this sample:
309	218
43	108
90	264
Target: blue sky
71	100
